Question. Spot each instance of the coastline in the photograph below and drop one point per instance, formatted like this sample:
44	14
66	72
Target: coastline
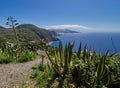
100	42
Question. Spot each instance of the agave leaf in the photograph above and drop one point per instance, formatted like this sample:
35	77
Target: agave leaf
88	54
70	51
79	51
108	75
112	54
56	58
84	53
49	67
56	70
102	68
103	72
61	54
66	59
52	62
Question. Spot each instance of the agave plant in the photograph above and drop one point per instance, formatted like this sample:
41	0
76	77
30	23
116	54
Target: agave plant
12	23
102	77
61	61
82	68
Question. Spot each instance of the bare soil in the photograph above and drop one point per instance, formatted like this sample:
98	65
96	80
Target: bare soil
13	75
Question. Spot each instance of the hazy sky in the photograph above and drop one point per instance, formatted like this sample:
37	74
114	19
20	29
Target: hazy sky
85	15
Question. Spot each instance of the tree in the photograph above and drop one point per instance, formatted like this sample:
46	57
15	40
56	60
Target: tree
12	23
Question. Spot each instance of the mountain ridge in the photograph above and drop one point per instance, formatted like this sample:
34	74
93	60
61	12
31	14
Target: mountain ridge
28	32
63	31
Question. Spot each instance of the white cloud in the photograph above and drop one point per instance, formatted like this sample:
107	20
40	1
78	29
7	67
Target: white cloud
78	27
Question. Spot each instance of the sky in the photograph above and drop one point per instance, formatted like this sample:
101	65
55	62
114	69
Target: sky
79	15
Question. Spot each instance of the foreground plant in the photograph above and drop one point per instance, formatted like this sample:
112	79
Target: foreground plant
61	62
12	23
81	69
10	52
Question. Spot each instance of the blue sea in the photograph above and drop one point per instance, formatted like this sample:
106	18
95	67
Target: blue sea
99	42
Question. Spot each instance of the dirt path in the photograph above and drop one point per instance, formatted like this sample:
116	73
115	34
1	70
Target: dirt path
11	75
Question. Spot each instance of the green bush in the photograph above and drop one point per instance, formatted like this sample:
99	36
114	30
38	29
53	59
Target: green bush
11	52
82	69
42	74
26	56
5	59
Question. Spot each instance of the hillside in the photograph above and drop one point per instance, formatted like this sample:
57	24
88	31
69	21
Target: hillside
58	31
28	32
1	27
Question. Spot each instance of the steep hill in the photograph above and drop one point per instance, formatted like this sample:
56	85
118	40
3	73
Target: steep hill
63	31
1	27
28	32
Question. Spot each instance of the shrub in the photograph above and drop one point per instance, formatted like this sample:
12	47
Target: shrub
26	56
42	74
83	68
5	59
11	52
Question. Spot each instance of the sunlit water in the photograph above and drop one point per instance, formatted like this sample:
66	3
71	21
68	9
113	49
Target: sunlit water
100	42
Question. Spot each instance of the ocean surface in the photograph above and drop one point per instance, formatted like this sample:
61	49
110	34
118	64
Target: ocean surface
99	42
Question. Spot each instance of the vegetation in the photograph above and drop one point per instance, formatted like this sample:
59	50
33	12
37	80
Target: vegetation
12	23
10	52
23	51
81	69
20	43
65	68
26	32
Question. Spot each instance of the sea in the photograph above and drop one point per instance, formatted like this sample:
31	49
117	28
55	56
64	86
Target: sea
99	42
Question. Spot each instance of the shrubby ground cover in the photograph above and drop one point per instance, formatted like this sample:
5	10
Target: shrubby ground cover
80	69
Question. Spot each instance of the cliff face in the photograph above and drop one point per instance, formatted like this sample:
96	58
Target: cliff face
28	32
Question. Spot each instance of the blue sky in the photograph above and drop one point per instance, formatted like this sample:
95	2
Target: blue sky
83	15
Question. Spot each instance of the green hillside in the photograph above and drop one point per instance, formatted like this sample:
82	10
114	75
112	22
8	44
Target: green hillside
27	32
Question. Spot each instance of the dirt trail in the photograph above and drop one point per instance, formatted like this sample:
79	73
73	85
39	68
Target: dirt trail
11	75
